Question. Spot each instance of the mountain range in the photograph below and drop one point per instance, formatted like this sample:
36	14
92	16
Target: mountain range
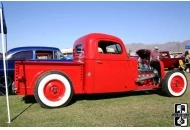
169	46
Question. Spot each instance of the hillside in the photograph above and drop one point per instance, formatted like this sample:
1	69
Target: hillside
169	46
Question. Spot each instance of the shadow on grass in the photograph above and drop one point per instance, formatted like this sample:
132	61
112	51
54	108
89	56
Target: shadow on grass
113	95
21	112
31	99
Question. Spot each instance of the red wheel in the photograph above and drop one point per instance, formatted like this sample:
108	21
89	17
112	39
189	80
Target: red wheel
53	89
175	83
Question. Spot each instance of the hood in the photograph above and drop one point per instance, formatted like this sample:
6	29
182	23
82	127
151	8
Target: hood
144	53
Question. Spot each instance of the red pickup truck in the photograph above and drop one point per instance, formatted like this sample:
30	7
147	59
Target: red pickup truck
170	62
94	69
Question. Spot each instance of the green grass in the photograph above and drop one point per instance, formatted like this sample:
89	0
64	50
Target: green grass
126	109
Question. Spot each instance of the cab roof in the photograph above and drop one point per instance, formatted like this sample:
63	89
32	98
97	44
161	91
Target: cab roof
94	36
27	48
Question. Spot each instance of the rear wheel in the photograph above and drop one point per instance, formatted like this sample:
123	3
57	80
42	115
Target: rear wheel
9	81
175	83
53	89
9	84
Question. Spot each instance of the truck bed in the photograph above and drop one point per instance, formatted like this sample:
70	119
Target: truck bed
28	72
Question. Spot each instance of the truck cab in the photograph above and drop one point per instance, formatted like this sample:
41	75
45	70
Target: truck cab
100	65
105	60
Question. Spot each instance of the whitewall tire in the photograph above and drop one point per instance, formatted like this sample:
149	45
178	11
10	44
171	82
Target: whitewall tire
53	89
175	83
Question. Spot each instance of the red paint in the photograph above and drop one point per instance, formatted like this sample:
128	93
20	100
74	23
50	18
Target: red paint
168	61
162	69
90	72
29	72
177	84
54	90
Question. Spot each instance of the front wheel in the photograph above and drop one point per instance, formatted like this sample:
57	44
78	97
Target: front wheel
53	89
175	83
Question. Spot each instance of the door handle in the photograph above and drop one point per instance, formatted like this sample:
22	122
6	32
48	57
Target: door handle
98	62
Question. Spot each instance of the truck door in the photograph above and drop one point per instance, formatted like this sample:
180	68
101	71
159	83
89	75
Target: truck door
110	67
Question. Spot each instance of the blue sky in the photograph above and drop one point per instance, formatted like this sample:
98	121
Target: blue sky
59	24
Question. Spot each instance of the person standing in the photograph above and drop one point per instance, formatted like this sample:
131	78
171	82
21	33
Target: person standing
187	56
154	56
187	61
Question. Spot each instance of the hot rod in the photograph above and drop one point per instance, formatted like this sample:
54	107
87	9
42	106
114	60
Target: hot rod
94	69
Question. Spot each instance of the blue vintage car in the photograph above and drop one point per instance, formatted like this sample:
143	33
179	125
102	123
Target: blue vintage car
27	53
1	55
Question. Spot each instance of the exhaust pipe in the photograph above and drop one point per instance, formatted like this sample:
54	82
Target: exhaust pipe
144	78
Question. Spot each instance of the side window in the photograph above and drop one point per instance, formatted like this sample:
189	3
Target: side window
78	49
40	54
108	47
22	55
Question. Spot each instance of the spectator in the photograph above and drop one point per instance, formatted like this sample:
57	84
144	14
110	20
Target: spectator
187	61
154	56
187	57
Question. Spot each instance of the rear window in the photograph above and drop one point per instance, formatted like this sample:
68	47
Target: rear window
78	49
40	54
44	54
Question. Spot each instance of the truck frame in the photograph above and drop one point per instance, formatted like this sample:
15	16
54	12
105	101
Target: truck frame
93	70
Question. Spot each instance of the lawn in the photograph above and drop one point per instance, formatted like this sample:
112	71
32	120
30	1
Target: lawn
126	109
